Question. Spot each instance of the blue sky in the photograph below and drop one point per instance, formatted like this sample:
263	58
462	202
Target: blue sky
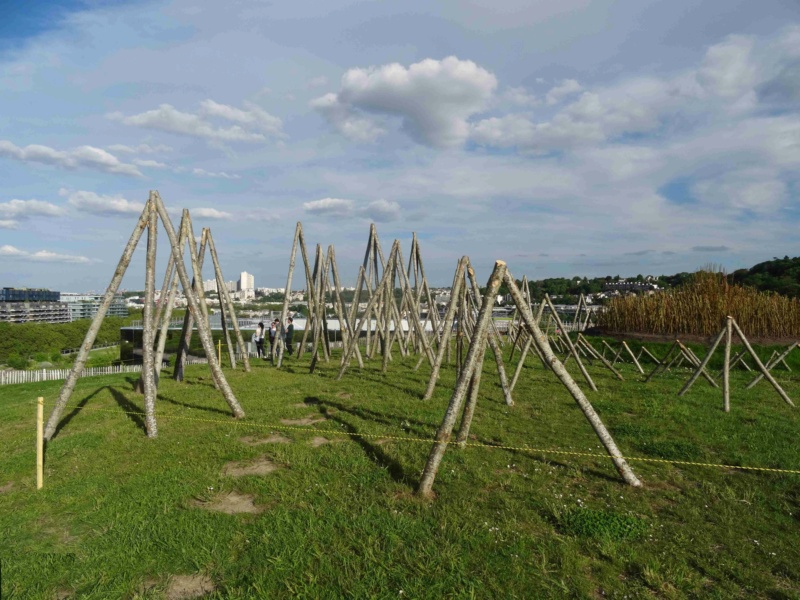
565	137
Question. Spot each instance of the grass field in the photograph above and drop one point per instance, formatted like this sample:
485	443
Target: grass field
123	516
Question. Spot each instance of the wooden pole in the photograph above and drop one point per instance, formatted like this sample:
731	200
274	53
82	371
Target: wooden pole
726	371
195	305
39	442
148	334
456	400
91	334
760	365
281	333
580	398
568	341
228	302
774	363
444	344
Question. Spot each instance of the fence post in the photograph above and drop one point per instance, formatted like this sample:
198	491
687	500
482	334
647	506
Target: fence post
39	443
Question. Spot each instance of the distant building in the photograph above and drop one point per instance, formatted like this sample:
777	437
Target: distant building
41	312
246	282
629	286
210	285
10	294
25	305
86	306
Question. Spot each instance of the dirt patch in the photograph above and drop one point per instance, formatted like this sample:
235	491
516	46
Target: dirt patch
321	441
344	395
7	487
260	466
382	441
309	420
189	586
275	438
231	503
62	594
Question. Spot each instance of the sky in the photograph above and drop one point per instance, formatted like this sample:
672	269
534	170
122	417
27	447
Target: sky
565	137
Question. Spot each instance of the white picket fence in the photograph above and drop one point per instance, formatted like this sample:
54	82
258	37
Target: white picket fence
12	377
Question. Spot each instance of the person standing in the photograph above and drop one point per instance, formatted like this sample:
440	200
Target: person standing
273	336
258	338
289	336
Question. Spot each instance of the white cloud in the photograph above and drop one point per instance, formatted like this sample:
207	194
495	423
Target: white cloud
317	82
8	224
382	211
433	98
568	87
519	96
82	156
152	164
91	202
21	209
757	190
41	256
727	68
210	213
140	149
167	118
352	126
220	174
335	207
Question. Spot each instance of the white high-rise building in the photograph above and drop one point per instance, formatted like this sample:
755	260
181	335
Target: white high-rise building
210	285
246	282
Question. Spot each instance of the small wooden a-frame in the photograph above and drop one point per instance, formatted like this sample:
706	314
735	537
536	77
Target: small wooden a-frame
153	211
727	332
469	376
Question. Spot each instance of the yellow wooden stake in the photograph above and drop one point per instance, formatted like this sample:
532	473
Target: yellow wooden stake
40	443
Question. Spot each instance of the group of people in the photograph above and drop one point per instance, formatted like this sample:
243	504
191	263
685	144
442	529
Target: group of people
273	332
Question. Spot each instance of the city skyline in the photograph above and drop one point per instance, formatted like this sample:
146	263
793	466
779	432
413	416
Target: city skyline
566	138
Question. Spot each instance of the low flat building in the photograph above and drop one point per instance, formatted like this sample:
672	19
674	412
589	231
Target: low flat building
27	312
86	306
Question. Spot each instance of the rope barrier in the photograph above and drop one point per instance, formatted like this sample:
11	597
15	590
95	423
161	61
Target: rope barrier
449	442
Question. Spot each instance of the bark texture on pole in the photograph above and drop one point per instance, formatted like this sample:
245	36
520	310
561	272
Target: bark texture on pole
91	334
195	305
148	333
568	341
457	399
702	368
726	367
288	292
594	420
444	342
760	365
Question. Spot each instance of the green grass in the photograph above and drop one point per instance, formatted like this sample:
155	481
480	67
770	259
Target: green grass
118	514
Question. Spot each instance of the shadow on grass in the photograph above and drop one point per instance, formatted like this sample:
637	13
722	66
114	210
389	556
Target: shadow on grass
65	421
210	409
372	451
375	417
134	412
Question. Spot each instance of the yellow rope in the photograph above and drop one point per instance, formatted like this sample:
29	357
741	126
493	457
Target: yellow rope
466	444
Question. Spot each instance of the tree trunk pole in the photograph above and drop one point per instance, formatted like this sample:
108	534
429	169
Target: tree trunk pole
196	305
472	397
594	420
148	333
774	363
760	365
456	400
167	314
345	323
726	371
281	333
189	318
444	344
636	362
700	366
228	301
568	341
91	334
